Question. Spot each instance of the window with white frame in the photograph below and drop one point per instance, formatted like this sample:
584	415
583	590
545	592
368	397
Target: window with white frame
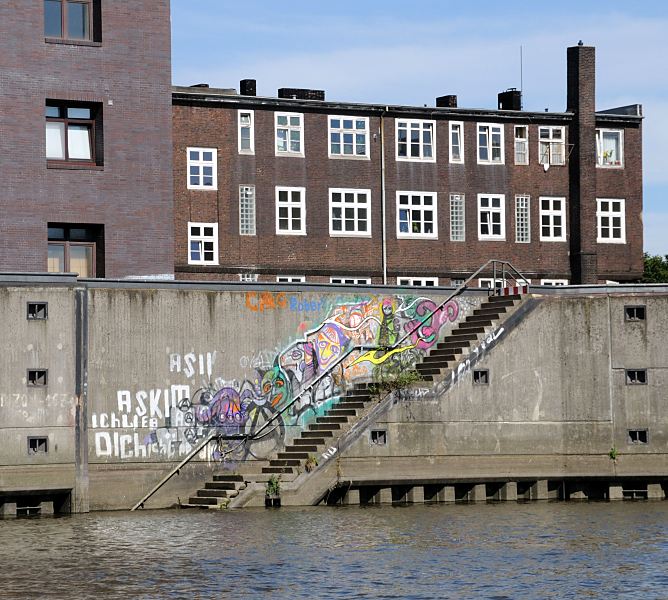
491	217
248	277
289	134
456	142
202	168
554	281
418	281
247	210
522	220
457	282
290	210
490	144
491	283
552	219
610	147
290	278
350	280
349	212
521	145
246	132
202	243
457	218
551	146
610	216
416	215
348	137
415	140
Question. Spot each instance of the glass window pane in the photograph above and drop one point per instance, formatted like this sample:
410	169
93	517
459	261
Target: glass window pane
53	18
78	142
295	121
52	111
55	140
56	260
81	260
282	120
77	21
78	113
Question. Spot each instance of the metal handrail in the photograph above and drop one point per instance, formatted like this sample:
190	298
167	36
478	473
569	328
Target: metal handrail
256	435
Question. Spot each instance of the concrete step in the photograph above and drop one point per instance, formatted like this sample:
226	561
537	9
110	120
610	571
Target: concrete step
345	403
299	455
463	336
217	493
203	500
358	393
331	420
491	312
505	301
201	506
221	485
502	299
429	370
454	346
283	462
470	328
274	470
317	437
324	426
341	412
480	319
228	477
439	355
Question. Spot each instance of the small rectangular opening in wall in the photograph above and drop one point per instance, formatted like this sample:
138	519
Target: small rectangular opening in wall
37	311
38	377
38	445
634	313
481	377
636	376
378	437
638	436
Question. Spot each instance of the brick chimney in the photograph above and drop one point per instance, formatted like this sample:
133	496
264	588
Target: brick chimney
581	155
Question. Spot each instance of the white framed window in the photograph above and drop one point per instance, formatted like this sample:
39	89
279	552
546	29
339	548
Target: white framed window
457	218
350	280
290	278
491	283
348	137
554	281
490	144
611	220
202	243
202	168
521	145
415	140
610	148
247	210
456	142
522	220
289	134
457	282
290	210
491	217
416	215
552	219
248	277
418	281
246	131
551	146
349	212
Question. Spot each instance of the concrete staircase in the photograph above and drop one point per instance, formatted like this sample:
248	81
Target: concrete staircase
323	436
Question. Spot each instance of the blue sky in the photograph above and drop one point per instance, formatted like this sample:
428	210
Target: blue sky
396	52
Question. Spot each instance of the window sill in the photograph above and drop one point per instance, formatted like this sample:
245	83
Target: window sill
610	166
414	159
72	166
68	42
348	157
291	154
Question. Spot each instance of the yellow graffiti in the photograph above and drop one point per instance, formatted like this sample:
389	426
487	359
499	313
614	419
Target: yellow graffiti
377	360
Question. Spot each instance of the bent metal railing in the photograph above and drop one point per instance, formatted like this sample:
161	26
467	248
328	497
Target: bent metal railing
275	421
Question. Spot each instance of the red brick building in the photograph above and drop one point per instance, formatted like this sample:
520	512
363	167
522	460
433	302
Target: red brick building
85	137
296	188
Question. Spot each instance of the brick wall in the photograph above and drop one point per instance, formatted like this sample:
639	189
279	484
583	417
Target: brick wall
128	74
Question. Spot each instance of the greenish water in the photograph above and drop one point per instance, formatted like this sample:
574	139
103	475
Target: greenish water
495	551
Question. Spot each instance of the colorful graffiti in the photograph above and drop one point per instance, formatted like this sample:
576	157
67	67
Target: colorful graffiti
311	369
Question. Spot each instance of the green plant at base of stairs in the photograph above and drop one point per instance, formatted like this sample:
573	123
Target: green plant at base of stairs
311	463
398	382
273	487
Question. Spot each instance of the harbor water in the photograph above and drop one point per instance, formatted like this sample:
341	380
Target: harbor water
495	551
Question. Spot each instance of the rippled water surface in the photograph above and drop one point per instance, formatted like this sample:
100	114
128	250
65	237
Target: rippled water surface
540	550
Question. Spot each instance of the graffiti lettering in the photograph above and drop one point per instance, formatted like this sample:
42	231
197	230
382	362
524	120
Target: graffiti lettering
261	301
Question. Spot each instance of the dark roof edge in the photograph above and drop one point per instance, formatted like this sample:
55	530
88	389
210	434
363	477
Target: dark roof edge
180	96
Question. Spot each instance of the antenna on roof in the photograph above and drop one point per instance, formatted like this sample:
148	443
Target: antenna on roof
521	80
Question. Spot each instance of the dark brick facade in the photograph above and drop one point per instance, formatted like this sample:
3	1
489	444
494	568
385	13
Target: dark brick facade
127	75
208	118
